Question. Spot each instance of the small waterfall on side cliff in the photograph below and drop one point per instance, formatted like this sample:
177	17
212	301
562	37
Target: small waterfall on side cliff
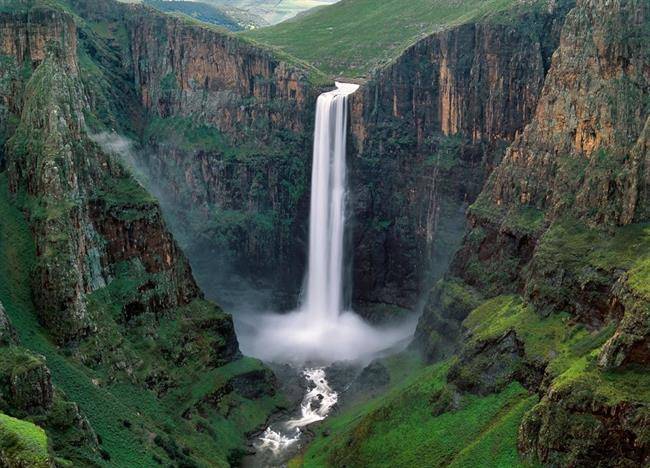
324	282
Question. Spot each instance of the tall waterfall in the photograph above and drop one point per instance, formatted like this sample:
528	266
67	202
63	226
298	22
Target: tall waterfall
322	330
324	285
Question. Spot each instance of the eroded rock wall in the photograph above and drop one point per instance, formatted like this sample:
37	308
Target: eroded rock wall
553	224
427	130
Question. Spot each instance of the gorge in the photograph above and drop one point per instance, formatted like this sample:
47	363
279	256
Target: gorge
444	264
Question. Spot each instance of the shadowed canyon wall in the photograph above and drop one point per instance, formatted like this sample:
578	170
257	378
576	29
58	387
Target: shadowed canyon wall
428	129
100	270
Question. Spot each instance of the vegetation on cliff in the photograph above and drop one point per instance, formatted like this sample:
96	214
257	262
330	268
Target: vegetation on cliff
537	337
92	281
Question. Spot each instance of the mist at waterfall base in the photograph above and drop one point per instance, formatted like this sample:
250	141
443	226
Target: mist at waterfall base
320	330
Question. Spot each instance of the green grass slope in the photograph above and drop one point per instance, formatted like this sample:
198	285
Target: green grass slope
136	429
22	444
201	11
421	422
271	11
352	37
425	420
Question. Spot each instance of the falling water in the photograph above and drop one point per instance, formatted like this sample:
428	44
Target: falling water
321	330
323	298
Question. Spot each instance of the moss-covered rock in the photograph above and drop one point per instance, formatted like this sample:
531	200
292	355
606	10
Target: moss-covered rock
575	425
23	444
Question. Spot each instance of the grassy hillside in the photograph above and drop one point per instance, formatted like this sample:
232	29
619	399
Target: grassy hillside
135	427
22	443
427	420
352	37
418	421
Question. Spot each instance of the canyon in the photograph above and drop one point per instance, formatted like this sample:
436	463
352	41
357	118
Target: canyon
498	174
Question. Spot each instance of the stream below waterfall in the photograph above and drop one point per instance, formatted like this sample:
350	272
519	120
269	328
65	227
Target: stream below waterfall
282	440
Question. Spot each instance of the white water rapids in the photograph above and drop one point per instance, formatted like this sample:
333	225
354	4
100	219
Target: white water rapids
315	406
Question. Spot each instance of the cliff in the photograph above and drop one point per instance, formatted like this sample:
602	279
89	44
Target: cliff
552	228
436	121
225	141
228	129
427	131
110	286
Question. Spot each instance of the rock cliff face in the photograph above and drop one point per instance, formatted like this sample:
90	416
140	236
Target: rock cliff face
427	131
582	162
22	46
442	113
553	224
228	136
53	162
110	284
228	132
181	69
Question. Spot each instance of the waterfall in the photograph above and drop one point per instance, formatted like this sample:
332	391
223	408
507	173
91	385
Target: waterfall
322	329
324	281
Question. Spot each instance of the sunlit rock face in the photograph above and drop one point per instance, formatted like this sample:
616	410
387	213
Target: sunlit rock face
552	225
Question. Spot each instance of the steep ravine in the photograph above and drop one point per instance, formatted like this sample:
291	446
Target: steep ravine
535	332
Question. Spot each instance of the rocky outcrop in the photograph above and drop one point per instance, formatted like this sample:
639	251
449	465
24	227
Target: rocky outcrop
87	213
427	130
7	332
183	69
631	341
575	427
488	366
584	152
31	387
26	391
582	158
